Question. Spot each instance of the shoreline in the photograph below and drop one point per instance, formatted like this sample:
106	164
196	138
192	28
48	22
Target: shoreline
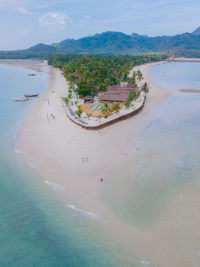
31	64
184	59
39	121
75	160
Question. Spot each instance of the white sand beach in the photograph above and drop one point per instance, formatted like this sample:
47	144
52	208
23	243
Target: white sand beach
76	159
57	146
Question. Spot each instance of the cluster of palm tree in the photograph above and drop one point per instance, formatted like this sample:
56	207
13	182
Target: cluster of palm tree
107	109
93	73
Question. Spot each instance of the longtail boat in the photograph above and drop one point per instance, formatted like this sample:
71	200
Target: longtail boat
31	95
22	99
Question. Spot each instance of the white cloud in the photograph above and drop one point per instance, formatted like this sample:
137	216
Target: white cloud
23	10
54	21
87	17
12	3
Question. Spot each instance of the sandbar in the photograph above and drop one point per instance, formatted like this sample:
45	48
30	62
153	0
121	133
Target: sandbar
76	160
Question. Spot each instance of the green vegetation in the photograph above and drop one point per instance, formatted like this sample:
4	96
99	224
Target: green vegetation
115	43
116	107
89	115
70	93
66	100
79	111
130	98
92	74
145	88
105	109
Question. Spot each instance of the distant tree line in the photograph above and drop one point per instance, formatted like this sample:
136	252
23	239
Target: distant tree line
93	73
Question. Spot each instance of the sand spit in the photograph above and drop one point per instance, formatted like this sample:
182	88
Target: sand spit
184	59
189	90
32	64
77	159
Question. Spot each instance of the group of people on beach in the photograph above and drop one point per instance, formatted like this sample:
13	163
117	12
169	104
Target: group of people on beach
84	159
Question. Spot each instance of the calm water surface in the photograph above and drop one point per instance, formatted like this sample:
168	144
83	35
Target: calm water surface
165	155
163	166
35	230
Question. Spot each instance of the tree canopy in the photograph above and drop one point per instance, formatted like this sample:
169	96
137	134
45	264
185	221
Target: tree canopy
93	73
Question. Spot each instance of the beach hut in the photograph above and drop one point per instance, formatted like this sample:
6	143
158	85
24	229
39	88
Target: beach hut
88	99
118	92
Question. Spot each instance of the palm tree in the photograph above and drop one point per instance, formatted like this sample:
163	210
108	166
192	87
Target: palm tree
79	111
116	107
139	75
105	108
145	87
89	115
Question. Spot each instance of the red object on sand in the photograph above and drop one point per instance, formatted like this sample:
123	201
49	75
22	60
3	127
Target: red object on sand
101	180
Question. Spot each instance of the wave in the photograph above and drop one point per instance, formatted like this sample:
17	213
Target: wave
54	185
83	212
144	263
33	166
18	151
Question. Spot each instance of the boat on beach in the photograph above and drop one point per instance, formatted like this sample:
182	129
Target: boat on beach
31	95
22	99
31	74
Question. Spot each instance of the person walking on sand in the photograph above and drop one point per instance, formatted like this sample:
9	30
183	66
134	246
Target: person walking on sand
86	158
83	159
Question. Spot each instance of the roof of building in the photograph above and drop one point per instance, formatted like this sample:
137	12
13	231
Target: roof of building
118	92
88	97
114	97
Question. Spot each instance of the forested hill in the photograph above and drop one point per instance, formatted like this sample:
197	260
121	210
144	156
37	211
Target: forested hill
186	44
120	43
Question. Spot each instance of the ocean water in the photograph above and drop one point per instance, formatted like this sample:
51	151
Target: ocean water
35	229
165	156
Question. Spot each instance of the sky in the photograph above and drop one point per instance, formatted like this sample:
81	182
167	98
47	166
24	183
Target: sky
24	23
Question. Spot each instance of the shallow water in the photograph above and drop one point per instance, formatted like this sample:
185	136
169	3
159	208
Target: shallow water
163	164
35	229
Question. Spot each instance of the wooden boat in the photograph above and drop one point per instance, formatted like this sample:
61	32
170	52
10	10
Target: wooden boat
31	74
31	95
22	99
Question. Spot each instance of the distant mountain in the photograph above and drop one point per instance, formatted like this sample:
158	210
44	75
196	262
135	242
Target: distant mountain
42	47
197	31
120	43
116	43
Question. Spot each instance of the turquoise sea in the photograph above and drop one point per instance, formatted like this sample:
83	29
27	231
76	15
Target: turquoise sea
35	229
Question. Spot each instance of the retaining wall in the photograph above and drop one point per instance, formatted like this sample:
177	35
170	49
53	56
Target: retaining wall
108	123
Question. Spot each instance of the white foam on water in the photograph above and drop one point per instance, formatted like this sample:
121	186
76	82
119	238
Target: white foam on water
18	151
33	166
197	252
145	263
55	186
83	212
